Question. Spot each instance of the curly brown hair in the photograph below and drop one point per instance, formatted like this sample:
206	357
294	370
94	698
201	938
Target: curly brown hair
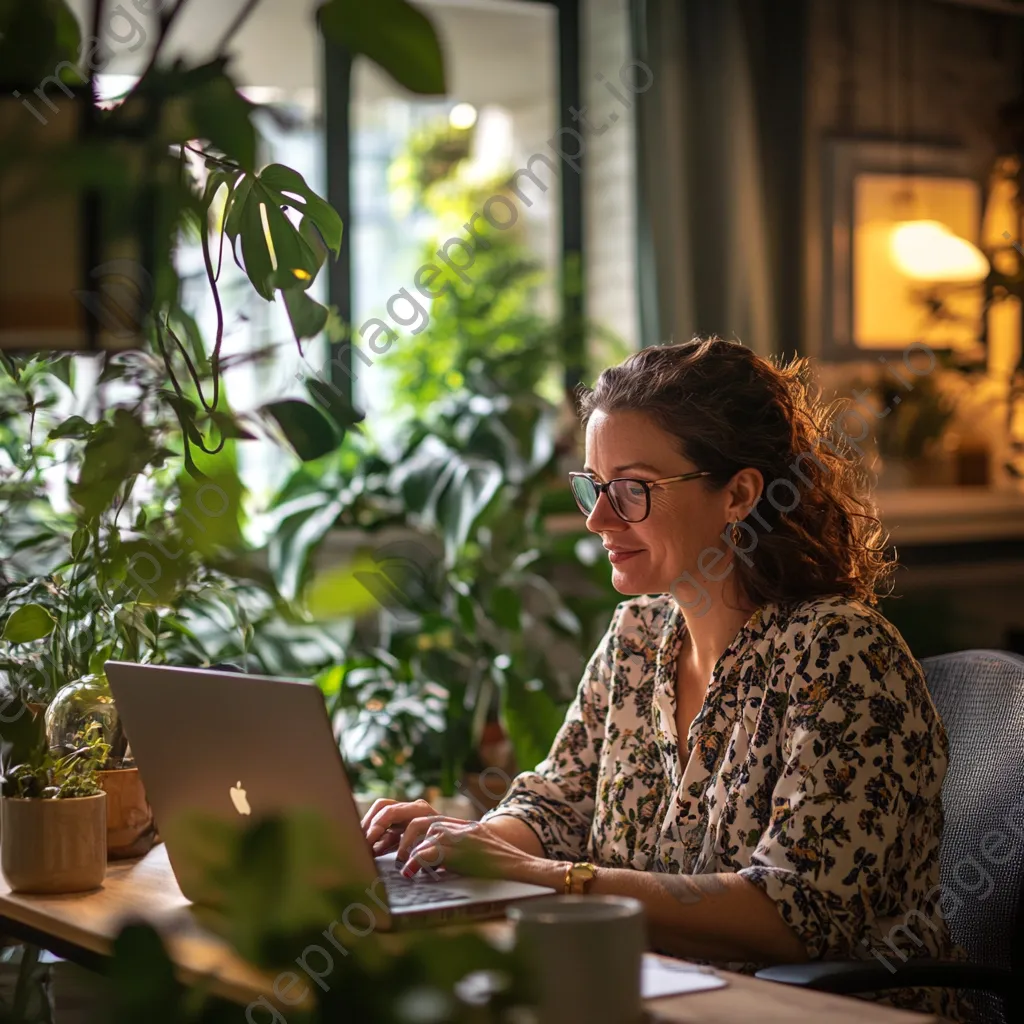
731	409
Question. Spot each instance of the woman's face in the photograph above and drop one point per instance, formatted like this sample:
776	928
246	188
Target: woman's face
686	517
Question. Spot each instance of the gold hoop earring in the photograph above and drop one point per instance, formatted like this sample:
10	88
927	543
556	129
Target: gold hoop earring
734	532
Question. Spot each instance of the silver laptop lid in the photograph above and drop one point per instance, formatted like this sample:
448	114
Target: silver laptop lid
236	747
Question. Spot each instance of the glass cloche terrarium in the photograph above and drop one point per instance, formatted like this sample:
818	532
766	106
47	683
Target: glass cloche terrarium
75	707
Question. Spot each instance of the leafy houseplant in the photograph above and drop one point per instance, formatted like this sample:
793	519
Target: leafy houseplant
275	909
68	777
53	827
85	706
147	559
910	431
473	628
916	421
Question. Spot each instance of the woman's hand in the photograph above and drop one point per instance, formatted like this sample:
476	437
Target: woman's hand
471	848
387	821
426	840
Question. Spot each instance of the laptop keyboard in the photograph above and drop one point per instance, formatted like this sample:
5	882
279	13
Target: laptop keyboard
415	891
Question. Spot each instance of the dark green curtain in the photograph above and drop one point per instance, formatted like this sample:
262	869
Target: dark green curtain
719	166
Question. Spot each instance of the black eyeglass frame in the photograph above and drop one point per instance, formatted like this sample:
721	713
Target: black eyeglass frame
645	484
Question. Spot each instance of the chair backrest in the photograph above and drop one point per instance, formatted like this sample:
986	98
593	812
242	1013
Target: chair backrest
980	698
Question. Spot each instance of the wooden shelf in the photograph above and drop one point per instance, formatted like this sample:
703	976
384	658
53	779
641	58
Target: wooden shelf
939	515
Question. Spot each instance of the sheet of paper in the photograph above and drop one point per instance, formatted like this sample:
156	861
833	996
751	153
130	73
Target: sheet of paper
660	977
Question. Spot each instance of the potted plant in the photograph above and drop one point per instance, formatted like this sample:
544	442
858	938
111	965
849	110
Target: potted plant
87	704
138	568
53	837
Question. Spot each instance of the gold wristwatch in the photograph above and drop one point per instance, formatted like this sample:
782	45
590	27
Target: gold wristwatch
580	877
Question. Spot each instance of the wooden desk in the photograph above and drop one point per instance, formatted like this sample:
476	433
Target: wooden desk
147	888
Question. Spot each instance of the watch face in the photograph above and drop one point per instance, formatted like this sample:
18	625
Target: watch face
582	876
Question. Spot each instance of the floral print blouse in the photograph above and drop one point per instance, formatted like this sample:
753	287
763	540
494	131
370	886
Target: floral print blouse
814	770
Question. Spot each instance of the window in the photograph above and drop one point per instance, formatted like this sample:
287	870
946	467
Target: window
421	168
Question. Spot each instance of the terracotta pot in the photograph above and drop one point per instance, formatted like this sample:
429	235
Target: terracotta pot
131	831
54	846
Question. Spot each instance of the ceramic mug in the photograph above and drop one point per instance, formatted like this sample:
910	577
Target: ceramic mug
585	954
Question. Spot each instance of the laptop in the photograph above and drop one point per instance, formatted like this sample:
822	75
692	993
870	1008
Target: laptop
238	747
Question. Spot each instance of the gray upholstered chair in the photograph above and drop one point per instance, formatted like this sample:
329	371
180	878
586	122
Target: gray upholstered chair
980	697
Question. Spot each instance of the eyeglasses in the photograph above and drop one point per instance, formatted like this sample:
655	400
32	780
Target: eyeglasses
630	499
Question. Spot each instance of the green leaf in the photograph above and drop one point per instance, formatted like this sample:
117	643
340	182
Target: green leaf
63	368
10	366
307	316
393	34
143	985
194	103
506	606
69	33
230	427
255	252
531	719
298	252
335	403
406	576
116	452
98	659
272	881
308	431
467	613
222	116
186	411
289	188
79	542
298	535
36	37
208	517
340	593
186	328
22	731
29	622
73	426
472	486
153	573
236	208
314	239
421	473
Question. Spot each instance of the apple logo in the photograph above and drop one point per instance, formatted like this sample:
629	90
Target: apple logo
239	800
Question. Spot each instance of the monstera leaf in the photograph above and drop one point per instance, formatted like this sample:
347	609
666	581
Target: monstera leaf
447	488
275	253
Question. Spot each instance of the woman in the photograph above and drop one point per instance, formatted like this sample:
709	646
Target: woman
752	752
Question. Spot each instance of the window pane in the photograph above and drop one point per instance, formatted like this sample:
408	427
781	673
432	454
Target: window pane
423	167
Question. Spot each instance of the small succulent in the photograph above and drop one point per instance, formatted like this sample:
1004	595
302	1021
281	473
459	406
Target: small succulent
67	777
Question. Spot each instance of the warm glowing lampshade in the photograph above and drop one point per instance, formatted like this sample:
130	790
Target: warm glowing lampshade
927	250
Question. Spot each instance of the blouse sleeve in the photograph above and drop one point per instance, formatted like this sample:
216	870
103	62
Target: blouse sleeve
863	757
556	799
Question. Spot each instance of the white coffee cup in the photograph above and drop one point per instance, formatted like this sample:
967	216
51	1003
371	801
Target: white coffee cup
585	953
